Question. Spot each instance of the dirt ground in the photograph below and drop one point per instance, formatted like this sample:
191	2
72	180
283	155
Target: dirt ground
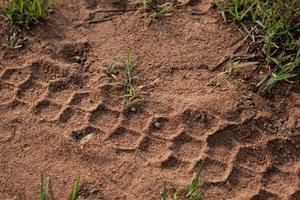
57	116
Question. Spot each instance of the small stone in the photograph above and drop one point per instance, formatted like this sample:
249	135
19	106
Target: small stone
86	138
77	58
133	109
157	125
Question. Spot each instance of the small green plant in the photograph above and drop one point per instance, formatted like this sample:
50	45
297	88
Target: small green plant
163	9
44	189
111	70
147	3
233	67
132	90
75	189
157	9
274	29
25	12
193	192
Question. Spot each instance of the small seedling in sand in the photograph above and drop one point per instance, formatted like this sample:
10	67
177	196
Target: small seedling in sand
157	9
111	70
132	90
23	13
193	192
163	9
233	67
44	189
147	3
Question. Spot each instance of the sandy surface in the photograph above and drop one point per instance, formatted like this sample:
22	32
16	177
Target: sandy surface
57	116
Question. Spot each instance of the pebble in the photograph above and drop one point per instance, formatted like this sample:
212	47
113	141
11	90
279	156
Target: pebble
157	125
133	109
77	58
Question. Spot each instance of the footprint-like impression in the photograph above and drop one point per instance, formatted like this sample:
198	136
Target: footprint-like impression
154	149
253	158
221	145
30	91
136	117
172	162
243	181
280	183
72	118
165	127
125	139
46	110
85	100
74	52
186	147
60	91
295	196
197	121
213	170
247	133
14	107
7	92
265	195
285	152
105	118
15	76
45	71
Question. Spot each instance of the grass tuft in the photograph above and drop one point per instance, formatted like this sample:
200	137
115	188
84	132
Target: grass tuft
44	189
193	192
156	8
148	4
274	28
23	13
132	90
162	10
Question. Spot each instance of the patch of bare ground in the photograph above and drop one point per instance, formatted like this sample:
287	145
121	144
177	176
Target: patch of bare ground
57	117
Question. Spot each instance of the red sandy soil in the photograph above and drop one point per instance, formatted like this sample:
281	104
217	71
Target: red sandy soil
57	116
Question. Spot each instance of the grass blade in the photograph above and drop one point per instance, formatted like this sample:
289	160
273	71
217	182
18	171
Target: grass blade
44	188
75	189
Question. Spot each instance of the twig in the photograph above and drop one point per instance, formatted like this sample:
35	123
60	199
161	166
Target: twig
100	20
226	58
236	57
120	10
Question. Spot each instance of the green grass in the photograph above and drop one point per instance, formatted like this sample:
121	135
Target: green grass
23	13
232	68
162	10
131	89
111	70
130	76
155	8
44	189
148	4
275	32
193	192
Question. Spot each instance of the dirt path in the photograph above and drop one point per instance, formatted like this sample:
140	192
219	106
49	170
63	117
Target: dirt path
57	117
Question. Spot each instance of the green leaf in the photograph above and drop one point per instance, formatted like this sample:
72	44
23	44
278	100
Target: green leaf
44	188
75	189
165	192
